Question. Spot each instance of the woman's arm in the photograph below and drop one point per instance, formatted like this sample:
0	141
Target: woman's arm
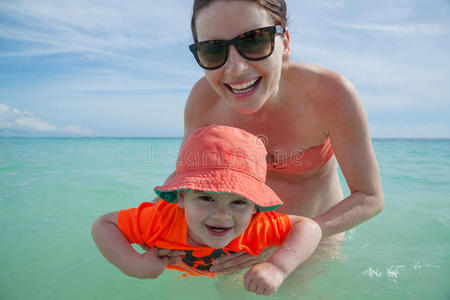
343	116
116	249
340	110
299	244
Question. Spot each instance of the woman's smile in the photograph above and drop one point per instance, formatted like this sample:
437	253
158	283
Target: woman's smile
244	89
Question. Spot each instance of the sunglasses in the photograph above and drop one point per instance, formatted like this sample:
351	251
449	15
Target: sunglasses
253	45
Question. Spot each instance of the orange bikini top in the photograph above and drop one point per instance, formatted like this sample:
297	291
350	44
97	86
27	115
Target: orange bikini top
305	161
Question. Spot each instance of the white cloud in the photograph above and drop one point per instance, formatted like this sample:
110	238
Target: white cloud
97	80
3	108
103	27
382	77
89	60
31	123
129	39
404	29
25	122
77	130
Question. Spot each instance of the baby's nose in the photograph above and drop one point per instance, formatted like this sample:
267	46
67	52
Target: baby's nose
222	213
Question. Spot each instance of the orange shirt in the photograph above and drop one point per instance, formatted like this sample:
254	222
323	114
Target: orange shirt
163	225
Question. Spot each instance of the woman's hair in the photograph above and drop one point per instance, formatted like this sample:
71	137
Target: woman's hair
276	9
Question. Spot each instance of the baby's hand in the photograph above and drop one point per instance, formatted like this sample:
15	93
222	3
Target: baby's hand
264	279
172	255
151	265
154	261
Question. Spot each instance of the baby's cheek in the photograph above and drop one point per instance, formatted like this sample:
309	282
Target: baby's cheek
245	219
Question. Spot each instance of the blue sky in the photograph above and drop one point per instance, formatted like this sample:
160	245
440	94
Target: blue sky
122	68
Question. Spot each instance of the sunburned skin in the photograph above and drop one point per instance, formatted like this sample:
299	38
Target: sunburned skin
294	106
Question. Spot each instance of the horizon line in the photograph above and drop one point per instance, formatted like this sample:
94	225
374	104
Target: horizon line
179	137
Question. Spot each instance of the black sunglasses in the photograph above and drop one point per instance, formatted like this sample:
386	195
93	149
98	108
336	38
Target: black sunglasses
253	45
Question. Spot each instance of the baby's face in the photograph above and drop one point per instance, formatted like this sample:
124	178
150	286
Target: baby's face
215	219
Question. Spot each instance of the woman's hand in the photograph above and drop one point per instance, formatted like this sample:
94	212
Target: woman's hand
264	279
237	261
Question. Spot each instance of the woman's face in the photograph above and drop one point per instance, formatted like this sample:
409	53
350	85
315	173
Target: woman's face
246	85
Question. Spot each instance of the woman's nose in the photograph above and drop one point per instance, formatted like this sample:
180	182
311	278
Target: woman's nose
235	63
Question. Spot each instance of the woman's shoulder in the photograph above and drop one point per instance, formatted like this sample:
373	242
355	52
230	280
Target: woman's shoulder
200	105
203	95
202	89
323	88
317	78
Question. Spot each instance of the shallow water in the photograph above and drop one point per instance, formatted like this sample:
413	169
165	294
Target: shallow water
51	190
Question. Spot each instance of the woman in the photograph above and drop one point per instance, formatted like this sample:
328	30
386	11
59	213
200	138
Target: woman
310	118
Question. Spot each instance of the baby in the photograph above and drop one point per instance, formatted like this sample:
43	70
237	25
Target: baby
217	204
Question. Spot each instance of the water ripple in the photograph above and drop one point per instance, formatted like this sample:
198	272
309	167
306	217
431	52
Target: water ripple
393	272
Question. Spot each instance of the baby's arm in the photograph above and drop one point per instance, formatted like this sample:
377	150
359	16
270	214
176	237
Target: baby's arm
117	250
299	244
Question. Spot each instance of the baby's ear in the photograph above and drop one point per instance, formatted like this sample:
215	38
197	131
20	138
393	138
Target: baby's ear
180	199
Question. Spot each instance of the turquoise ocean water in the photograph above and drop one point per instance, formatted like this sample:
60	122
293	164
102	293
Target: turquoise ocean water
52	190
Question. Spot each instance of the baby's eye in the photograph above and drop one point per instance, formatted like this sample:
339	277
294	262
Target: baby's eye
240	202
206	198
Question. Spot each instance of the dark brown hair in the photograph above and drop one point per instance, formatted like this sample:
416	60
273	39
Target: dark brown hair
276	8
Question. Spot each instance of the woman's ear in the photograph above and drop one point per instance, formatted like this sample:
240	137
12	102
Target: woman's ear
180	199
286	50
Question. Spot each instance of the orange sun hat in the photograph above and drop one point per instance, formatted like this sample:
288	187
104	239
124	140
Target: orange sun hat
222	159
